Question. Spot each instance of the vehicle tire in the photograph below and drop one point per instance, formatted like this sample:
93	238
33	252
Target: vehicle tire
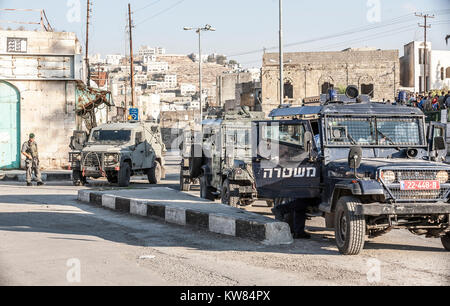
230	194
446	241
350	229
205	193
195	162
154	174
112	178
124	175
183	185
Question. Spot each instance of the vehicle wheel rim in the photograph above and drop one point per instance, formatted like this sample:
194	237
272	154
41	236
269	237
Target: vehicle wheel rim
343	227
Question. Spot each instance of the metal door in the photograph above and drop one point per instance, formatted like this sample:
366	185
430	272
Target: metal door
9	126
281	164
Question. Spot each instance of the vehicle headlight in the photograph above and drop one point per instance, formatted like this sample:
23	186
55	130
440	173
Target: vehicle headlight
76	156
442	177
388	176
112	158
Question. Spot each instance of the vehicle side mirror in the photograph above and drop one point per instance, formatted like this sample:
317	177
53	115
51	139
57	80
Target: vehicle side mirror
439	143
139	138
354	157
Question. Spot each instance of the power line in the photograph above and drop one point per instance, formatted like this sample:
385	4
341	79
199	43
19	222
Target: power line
335	35
161	12
146	6
390	22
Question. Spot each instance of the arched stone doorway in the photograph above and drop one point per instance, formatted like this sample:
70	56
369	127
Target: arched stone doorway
325	83
288	90
9	126
366	85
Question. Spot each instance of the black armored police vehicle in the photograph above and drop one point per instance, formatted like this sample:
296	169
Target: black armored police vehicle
367	167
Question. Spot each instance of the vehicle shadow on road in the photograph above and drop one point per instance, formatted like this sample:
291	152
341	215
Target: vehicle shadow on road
153	232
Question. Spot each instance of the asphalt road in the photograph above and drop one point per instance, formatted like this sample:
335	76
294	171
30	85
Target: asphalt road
49	238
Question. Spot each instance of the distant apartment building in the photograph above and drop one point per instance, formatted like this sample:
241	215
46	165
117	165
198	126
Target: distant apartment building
96	59
141	78
412	67
113	59
187	89
157	67
170	81
150	106
146	50
148	58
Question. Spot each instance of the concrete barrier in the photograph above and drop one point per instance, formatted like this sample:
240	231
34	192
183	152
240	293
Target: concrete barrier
187	210
20	176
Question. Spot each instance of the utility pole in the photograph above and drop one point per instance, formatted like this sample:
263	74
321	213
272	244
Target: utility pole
199	31
425	55
281	53
126	102
88	10
131	56
200	88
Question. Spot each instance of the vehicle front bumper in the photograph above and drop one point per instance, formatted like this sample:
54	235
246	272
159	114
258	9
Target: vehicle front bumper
379	209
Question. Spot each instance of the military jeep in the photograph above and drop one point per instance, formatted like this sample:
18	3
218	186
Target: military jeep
221	158
117	151
366	167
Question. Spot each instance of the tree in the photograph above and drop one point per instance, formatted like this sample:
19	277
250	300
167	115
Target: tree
221	59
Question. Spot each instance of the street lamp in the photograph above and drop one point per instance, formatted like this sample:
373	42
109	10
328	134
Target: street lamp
281	51
199	31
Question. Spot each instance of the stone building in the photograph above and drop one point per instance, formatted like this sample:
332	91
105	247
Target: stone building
226	86
38	75
307	74
412	67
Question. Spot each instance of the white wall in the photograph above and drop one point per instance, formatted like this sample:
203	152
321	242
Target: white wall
439	59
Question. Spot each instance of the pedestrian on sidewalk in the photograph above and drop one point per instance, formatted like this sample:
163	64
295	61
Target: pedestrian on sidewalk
30	151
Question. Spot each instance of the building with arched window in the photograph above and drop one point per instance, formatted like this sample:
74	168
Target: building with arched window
308	74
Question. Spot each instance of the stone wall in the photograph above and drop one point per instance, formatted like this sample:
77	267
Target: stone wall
307	71
47	110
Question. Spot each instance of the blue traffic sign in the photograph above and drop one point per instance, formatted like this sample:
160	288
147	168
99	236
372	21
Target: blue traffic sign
134	113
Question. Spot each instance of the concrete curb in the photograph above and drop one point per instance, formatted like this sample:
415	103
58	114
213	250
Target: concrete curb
269	233
46	176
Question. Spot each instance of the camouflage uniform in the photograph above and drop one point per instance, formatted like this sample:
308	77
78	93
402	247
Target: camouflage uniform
32	164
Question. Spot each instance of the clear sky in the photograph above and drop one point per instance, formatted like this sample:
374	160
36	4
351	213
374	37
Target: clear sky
242	25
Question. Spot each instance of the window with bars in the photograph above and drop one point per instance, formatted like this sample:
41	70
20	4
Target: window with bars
374	131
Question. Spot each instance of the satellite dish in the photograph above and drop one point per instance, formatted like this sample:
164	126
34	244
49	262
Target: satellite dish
352	92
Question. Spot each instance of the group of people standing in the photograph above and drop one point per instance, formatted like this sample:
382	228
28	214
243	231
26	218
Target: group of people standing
426	102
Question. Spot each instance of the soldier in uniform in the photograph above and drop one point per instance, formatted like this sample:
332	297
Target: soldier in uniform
30	151
298	208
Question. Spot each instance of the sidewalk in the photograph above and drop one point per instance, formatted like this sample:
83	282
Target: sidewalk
183	209
51	175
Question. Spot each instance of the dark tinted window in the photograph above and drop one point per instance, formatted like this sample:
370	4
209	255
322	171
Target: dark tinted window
111	136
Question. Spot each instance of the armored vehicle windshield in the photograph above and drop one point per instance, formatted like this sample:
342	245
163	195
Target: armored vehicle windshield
374	131
110	136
